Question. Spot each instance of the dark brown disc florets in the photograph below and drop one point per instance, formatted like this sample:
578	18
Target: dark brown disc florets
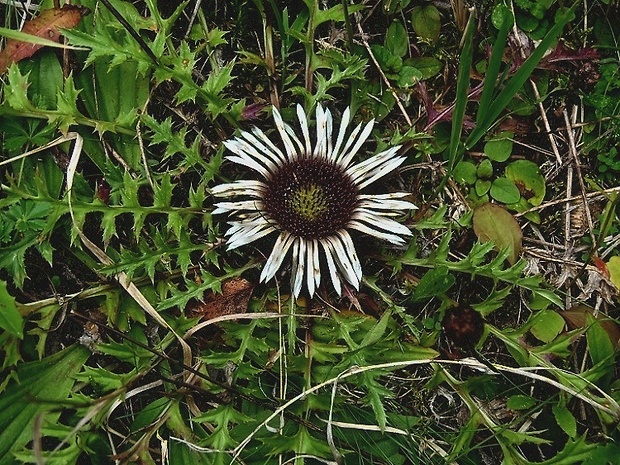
310	198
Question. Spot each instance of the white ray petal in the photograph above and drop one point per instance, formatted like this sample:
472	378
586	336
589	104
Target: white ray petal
378	160
346	158
222	207
349	143
300	152
243	148
380	221
241	187
275	157
379	172
250	221
320	148
344	122
375	233
350	248
280	249
299	262
328	133
331	266
288	144
390	205
386	202
274	148
303	122
245	236
250	163
343	260
313	270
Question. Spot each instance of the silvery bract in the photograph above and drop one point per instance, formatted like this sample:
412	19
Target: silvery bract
311	196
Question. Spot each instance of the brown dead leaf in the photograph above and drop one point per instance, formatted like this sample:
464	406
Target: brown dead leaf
46	26
234	298
577	317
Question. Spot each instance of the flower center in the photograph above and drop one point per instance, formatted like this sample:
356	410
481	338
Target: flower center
309	201
311	198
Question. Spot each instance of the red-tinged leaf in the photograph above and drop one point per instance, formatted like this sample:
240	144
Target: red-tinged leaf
234	298
601	266
46	26
494	223
577	317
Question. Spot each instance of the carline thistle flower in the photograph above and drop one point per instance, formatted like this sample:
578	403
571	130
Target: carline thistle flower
311	196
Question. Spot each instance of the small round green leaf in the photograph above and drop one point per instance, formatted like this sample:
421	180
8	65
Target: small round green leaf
526	176
426	22
428	66
408	76
482	187
548	325
505	191
465	173
485	169
500	147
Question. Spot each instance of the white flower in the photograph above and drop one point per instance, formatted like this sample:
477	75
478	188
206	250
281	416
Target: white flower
311	196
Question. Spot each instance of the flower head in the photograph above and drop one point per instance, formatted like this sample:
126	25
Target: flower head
311	196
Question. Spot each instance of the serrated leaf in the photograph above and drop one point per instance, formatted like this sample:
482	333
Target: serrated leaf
41	386
434	283
493	223
10	319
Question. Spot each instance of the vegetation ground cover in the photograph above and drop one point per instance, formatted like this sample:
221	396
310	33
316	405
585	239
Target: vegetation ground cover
488	333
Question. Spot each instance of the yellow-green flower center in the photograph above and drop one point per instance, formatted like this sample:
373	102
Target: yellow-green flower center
309	201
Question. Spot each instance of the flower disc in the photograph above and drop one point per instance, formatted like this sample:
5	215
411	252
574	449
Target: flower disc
310	198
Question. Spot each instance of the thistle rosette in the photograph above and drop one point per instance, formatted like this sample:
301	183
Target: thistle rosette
312	197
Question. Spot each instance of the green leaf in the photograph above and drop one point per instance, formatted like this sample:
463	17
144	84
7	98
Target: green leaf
613	265
565	420
520	402
500	147
434	283
526	174
10	319
378	330
428	66
505	191
426	22
465	172
493	223
396	39
485	169
16	92
41	386
408	76
482	187
548	325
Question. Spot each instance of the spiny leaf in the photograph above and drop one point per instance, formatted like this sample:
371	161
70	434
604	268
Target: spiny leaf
10	319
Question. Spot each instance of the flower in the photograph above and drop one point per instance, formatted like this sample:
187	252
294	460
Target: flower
311	196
